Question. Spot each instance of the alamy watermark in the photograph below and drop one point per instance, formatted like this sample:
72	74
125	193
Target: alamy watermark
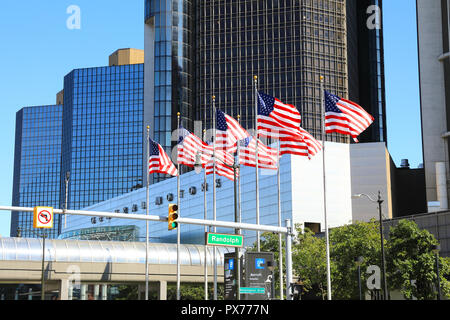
73	22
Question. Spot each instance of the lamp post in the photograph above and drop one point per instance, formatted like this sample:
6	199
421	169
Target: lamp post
358	262
436	248
379	201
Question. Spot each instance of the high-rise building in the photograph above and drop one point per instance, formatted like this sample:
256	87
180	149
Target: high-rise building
37	163
103	130
96	133
433	30
218	46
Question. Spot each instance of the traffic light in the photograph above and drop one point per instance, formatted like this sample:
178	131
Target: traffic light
173	216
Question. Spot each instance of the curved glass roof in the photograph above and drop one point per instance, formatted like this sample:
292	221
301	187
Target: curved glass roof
30	249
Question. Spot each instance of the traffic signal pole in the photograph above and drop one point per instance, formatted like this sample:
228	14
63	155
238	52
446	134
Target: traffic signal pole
203	222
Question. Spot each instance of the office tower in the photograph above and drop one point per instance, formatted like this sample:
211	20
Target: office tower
366	64
169	84
103	130
37	159
288	44
433	32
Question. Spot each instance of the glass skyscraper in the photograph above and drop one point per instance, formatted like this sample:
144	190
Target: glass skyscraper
288	44
103	133
37	163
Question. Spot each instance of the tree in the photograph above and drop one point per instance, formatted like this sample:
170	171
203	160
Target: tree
411	263
309	262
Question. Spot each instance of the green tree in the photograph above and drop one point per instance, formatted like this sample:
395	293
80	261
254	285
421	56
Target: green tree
309	262
411	263
347	243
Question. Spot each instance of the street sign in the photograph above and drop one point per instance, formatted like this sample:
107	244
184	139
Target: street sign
43	217
227	240
252	290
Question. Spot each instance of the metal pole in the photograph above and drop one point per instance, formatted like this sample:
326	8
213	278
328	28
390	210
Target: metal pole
147	213
43	270
288	260
280	243
179	226
258	235
359	281
322	99
438	279
66	198
214	194
382	247
238	217
205	217
236	231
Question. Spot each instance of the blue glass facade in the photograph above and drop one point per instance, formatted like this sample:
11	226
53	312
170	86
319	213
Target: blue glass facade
102	140
174	68
37	162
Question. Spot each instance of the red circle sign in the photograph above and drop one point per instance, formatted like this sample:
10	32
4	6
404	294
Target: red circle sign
44	217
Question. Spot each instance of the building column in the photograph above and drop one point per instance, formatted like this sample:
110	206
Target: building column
64	289
97	292
83	292
104	292
162	290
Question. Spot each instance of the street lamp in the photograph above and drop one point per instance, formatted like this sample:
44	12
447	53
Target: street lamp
436	248
379	201
358	262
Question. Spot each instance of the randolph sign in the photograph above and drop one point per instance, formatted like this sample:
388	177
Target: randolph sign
227	240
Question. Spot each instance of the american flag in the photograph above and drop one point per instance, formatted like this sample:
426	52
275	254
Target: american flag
228	132
159	161
277	119
308	146
267	157
221	169
188	147
345	117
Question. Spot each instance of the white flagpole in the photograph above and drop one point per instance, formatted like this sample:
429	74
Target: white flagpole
280	246
178	227
205	217
327	239
147	212
258	236
214	194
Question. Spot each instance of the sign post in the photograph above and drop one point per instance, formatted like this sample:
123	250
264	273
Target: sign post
224	240
43	219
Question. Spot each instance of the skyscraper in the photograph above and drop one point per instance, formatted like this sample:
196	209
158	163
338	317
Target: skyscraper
288	44
37	162
103	129
433	30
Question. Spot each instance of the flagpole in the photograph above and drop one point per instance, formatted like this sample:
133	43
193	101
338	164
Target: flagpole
237	209
327	239
280	246
147	212
258	240
214	194
205	217
178	227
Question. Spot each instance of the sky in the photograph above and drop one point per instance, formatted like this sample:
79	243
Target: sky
38	50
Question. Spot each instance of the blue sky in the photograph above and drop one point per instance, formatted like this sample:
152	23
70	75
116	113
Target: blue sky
38	50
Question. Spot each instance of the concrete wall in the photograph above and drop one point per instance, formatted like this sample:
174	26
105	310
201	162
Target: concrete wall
371	172
432	90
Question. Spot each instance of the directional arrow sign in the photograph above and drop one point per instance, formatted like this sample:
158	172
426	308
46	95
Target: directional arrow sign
227	240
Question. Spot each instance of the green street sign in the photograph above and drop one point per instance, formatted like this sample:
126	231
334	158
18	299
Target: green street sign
227	240
252	290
